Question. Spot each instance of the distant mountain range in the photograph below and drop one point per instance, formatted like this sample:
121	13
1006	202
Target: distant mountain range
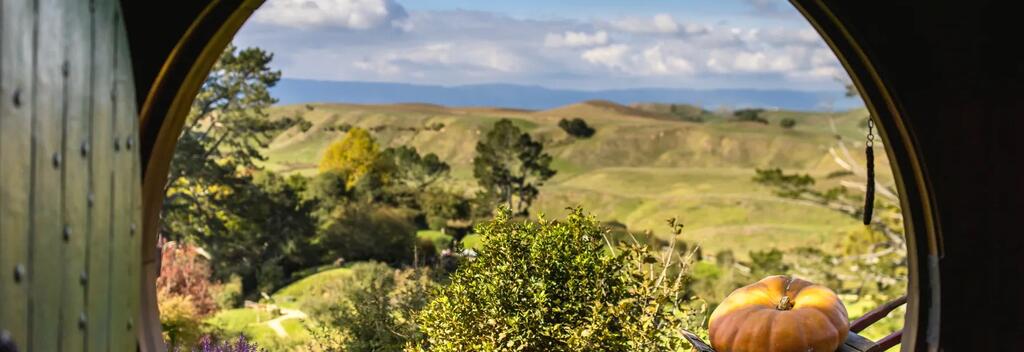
295	91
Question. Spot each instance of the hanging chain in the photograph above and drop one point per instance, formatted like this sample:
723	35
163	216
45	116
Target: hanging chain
871	133
869	153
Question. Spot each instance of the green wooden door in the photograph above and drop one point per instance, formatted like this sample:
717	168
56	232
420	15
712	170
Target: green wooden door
69	178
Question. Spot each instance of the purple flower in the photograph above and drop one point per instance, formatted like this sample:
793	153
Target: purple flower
211	344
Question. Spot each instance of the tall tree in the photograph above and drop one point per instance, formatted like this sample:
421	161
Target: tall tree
355	155
509	166
212	197
412	170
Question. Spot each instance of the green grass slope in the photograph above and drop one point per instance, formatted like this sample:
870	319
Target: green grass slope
644	164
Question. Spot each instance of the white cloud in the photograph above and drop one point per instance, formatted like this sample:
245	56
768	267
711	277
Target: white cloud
575	39
823	57
468	47
660	23
664	23
809	36
440	55
782	63
350	14
653	61
612	56
380	67
717	66
695	28
658	62
790	63
748	61
818	73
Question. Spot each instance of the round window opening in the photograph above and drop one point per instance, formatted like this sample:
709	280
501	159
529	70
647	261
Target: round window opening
452	175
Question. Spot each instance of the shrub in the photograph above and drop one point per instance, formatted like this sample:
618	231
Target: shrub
767	262
752	115
441	206
553	286
326	338
436	126
787	123
713	281
375	309
179	319
576	127
617	233
365	232
228	295
304	125
183	272
426	251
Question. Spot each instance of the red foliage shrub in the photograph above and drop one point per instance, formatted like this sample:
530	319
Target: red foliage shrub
184	272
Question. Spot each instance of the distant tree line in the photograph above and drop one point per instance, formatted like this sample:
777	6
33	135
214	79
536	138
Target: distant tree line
755	115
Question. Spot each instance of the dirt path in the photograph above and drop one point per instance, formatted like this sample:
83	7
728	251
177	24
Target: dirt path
287	314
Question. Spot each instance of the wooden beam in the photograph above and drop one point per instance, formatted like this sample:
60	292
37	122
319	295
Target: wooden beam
876	314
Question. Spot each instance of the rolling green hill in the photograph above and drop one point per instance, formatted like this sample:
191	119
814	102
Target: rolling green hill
645	164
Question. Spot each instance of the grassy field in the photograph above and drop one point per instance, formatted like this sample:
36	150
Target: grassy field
254	324
438	238
642	166
300	296
293	302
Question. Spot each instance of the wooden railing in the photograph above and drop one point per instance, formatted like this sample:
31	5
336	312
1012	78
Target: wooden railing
874	316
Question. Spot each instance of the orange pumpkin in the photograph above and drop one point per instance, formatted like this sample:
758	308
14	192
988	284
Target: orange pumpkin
779	314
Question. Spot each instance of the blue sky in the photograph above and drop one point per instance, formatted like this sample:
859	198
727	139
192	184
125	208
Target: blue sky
577	44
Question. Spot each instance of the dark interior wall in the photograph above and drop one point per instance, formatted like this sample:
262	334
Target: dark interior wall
156	27
156	30
956	71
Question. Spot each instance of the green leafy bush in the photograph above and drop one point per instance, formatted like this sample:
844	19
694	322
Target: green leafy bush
365	232
787	123
304	125
553	286
441	206
228	295
576	127
426	251
751	115
374	309
767	262
180	320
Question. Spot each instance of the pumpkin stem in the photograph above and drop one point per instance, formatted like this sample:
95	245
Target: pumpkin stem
785	304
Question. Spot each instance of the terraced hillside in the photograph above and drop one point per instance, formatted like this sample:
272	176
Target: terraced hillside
645	164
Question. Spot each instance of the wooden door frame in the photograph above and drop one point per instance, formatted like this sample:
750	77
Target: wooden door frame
169	98
162	116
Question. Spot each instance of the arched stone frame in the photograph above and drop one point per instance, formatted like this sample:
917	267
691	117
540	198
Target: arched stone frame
169	98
